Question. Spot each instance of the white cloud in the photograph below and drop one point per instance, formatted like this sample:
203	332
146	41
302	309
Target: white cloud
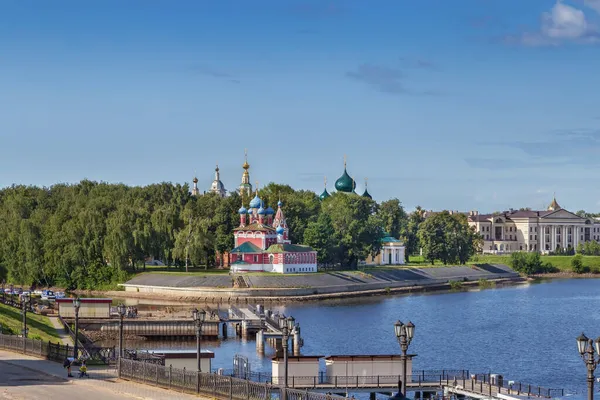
562	24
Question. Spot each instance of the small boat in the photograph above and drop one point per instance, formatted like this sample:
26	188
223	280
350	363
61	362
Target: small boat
48	295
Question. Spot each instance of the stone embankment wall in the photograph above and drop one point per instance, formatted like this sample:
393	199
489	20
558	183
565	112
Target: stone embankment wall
317	286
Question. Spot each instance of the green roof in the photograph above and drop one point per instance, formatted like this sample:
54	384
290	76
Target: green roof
388	239
239	262
247	247
345	183
366	194
285	247
324	195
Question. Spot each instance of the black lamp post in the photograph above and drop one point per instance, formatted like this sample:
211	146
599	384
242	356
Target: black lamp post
3	292
76	305
121	310
12	303
586	348
199	317
24	300
404	333
287	326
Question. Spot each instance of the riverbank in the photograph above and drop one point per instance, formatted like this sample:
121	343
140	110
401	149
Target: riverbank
308	287
40	326
191	297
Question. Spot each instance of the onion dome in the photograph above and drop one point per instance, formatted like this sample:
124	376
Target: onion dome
255	202
366	192
554	205
324	195
269	211
279	203
344	182
242	210
261	211
195	180
280	230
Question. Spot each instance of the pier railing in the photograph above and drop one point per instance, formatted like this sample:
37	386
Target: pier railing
208	384
36	348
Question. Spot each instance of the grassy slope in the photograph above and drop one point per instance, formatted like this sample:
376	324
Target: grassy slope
561	262
39	326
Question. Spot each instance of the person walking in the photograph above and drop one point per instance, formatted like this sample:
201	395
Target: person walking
67	364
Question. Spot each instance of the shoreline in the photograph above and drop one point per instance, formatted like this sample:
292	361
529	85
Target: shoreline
436	287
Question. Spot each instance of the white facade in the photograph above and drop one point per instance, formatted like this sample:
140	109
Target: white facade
527	230
392	255
301	370
187	359
89	308
367	366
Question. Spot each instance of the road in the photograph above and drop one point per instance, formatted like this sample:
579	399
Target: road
24	377
17	382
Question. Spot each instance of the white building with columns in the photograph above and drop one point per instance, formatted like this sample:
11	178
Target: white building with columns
527	230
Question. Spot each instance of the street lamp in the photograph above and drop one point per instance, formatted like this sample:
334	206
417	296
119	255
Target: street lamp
12	303
287	326
121	310
586	348
404	333
24	300
76	305
199	317
3	292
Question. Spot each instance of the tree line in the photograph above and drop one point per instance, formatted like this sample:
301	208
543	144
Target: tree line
93	234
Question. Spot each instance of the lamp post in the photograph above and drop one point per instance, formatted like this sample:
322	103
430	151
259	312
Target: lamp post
24	300
76	305
287	326
586	348
404	333
3	292
12	303
121	310
199	317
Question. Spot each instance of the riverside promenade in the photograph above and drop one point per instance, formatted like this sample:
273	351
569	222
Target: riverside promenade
243	288
31	378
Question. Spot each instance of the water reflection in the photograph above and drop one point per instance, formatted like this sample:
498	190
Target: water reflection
526	332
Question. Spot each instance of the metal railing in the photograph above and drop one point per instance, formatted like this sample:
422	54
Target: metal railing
36	348
213	385
498	384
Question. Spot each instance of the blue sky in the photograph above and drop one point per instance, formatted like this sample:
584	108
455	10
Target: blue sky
470	104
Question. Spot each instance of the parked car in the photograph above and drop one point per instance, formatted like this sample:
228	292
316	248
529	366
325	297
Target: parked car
60	295
48	295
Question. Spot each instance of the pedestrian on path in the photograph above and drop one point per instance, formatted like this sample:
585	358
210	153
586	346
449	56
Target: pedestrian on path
67	364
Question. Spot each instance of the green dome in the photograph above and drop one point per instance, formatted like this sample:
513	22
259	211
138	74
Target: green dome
366	194
324	195
345	183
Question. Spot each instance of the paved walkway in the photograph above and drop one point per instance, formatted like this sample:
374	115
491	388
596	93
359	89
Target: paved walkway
25	377
65	338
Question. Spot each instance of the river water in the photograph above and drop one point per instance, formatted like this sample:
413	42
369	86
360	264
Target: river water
527	332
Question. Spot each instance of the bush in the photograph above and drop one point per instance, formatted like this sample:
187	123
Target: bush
456	285
530	263
485	284
595	269
577	264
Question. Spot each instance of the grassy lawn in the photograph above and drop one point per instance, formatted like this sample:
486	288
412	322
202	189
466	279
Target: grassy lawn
561	262
39	326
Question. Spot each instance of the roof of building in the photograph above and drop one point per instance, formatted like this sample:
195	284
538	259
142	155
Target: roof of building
345	183
255	227
387	239
247	247
324	195
286	247
366	194
554	205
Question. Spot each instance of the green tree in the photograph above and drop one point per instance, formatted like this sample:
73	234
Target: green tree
319	235
448	238
411	233
577	264
357	232
393	217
